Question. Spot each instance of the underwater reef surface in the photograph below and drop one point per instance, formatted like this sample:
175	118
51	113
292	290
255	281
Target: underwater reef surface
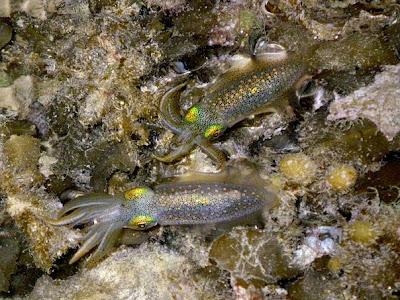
80	88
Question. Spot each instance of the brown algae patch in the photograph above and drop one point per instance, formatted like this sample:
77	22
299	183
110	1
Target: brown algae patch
377	102
81	93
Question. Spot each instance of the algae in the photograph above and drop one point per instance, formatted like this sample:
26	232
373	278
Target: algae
255	257
80	85
5	34
144	273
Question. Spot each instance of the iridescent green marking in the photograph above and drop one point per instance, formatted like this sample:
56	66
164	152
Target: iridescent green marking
192	115
141	221
136	193
213	131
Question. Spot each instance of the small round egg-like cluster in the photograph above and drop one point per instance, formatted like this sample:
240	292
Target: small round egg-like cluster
362	232
342	177
298	168
335	264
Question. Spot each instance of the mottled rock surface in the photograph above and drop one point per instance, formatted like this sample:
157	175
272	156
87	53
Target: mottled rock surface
80	86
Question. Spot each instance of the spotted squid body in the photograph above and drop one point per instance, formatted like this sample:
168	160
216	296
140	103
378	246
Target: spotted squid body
253	85
207	199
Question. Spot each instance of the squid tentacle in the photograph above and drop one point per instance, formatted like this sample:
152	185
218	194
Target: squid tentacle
176	153
216	155
170	111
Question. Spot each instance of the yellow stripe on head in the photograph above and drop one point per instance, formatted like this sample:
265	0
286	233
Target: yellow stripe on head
135	193
192	115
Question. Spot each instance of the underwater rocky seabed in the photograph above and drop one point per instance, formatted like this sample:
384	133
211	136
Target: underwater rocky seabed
80	84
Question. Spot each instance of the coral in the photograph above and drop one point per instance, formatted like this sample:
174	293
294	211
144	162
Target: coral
46	243
80	88
34	8
358	143
17	97
22	152
353	53
315	285
366	238
19	173
253	256
144	273
384	181
9	251
312	249
5	34
167	5
376	102
5	8
17	271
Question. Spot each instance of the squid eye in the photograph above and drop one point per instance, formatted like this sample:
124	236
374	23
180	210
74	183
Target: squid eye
142	222
213	131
